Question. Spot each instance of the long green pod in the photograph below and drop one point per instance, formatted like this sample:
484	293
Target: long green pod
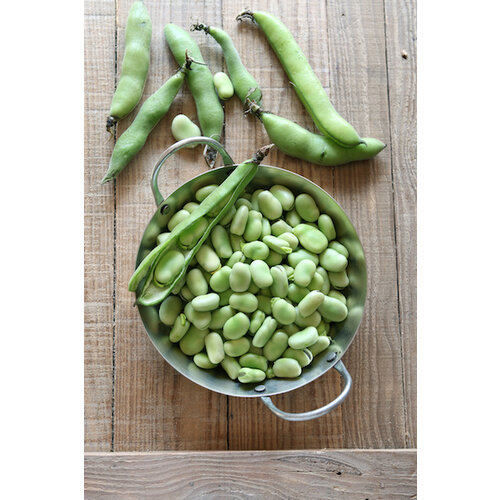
245	85
201	84
298	142
304	80
135	65
228	191
151	112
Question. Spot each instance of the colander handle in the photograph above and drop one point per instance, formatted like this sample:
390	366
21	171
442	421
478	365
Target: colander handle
177	147
319	412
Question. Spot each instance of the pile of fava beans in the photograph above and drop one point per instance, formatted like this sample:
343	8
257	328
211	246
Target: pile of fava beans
263	291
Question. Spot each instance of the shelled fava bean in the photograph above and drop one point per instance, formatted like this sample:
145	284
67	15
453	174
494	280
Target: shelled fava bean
263	290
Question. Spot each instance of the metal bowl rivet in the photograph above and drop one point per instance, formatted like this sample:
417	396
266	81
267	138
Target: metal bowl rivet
260	388
331	356
165	209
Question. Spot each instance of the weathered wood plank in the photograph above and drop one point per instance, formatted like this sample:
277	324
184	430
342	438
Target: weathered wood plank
319	474
98	267
251	425
151	400
402	67
373	414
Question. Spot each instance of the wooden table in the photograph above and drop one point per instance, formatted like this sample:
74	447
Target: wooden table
364	54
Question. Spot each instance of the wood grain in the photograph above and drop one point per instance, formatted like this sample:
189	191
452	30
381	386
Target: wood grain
402	85
318	474
99	220
359	86
134	400
151	399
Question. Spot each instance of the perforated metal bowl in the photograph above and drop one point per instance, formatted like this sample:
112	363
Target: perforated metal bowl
216	379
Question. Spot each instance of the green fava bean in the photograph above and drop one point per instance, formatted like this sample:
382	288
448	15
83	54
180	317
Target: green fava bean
265	332
162	237
237	256
304	272
253	228
255	350
264	303
208	259
177	218
306	207
320	345
186	294
323	328
243	201
254	199
236	326
238	347
274	258
253	288
251	375
169	266
333	309
291	329
228	217
244	302
225	296
220	316
291	239
266	292
316	282
289	271
279	288
201	360
279	227
333	261
310	303
261	274
204	191
239	221
269	205
183	128
214	346
250	360
287	368
284	196
338	247
276	345
299	255
338	280
200	319
255	250
302	356
191	237
293	218
310	238
296	293
240	277
191	206
266	227
304	338
283	311
325	287
337	295
180	328
207	302
196	282
231	367
219	281
326	226
193	341
313	319
170	308
223	86
270	373
221	242
256	321
277	244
